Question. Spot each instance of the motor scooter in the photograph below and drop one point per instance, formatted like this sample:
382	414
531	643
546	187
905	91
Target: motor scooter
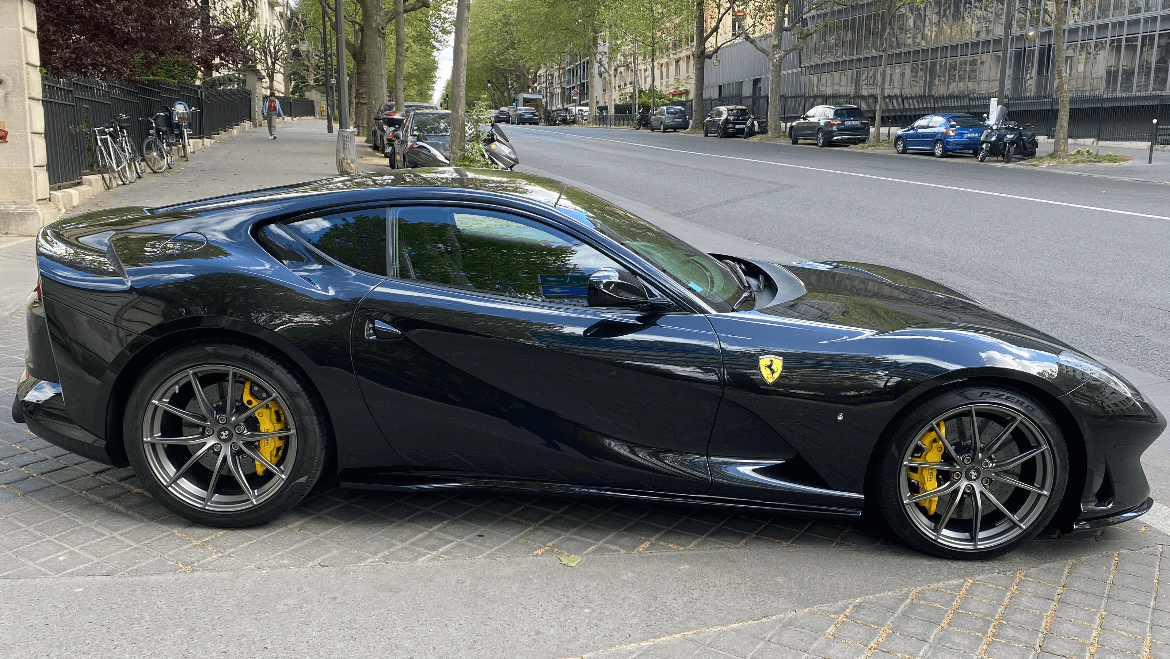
641	119
1007	140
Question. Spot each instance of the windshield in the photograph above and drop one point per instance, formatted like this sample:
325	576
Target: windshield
848	113
965	121
432	124
707	277
737	113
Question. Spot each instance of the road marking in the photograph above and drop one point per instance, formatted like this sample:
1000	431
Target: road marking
875	177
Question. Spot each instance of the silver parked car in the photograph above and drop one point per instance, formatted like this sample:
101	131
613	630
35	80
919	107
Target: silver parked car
669	117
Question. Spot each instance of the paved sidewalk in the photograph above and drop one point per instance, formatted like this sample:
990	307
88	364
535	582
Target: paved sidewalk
87	559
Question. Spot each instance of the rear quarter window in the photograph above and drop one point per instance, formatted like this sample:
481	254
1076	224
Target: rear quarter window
965	122
355	238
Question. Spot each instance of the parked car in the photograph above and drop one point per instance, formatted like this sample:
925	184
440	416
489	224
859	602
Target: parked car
424	141
387	120
525	115
503	115
669	117
831	124
726	121
560	116
459	330
941	134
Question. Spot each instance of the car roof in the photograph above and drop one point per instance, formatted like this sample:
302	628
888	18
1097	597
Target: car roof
453	182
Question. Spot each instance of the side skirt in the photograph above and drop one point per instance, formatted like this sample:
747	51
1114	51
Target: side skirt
414	483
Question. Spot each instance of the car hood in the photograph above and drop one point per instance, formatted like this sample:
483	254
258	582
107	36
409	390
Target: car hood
440	143
883	300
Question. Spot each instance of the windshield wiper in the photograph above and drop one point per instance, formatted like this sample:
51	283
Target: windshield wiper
747	294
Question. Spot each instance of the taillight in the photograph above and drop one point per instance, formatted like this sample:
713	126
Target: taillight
865	122
835	123
949	132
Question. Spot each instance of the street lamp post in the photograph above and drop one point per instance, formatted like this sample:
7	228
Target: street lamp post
1030	34
346	136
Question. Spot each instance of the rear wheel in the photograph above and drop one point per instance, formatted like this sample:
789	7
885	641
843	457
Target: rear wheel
940	149
224	434
899	145
972	473
154	155
822	139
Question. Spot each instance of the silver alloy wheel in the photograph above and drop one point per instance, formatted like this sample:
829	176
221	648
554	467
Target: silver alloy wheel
994	478
197	429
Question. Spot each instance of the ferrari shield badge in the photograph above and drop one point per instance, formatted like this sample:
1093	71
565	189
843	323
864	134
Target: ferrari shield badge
770	367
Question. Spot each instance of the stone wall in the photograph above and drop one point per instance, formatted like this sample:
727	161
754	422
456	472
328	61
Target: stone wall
24	180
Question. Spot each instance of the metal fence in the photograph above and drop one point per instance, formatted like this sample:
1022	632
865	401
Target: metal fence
72	107
297	107
1104	118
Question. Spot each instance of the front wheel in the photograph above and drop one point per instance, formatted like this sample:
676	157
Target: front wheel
972	473
899	145
185	146
1007	154
792	136
982	154
224	435
154	154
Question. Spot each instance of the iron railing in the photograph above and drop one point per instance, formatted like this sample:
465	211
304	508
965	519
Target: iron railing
73	106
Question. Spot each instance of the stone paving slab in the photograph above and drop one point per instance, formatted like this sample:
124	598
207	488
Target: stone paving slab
1046	612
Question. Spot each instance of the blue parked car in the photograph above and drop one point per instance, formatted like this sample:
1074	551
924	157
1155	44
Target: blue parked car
941	134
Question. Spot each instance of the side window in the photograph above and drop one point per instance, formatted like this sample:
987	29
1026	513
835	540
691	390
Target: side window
493	253
356	238
935	122
921	123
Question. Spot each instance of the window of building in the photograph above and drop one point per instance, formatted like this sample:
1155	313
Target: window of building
688	64
677	68
494	253
354	238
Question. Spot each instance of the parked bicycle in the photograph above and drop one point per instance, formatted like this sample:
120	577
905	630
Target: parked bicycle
129	150
108	159
170	130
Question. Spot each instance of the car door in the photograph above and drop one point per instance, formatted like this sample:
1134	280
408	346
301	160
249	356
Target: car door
806	124
931	132
479	357
912	136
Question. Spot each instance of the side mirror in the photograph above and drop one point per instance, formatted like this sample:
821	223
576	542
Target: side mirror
397	136
610	287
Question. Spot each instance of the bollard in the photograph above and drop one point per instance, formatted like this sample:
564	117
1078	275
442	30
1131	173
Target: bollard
347	151
1153	138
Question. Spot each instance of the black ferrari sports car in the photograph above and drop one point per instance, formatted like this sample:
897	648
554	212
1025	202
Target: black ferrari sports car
472	329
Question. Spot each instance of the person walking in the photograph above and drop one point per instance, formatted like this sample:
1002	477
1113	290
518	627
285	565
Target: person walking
270	109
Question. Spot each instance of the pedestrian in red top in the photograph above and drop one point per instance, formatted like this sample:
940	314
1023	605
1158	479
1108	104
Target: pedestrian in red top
270	109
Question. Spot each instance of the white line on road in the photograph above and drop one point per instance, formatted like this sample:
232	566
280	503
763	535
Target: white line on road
870	176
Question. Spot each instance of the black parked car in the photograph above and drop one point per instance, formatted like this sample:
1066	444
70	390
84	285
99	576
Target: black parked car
726	121
525	115
669	117
387	120
560	116
424	141
831	124
503	115
464	329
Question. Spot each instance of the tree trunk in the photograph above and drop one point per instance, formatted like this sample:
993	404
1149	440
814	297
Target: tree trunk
1060	144
775	64
593	80
399	57
459	77
881	98
371	91
634	77
698	113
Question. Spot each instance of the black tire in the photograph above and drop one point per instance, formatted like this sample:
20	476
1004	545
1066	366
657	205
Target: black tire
980	478
821	141
792	136
153	154
982	153
185	145
940	149
297	406
1007	155
975	152
637	125
899	145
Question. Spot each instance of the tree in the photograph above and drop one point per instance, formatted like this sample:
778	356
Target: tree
459	78
797	18
886	13
127	39
270	45
370	54
702	53
1060	143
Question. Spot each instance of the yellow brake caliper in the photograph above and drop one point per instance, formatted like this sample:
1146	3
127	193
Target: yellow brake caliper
271	419
927	478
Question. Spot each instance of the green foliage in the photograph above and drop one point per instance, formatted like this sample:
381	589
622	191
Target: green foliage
1080	157
474	153
172	67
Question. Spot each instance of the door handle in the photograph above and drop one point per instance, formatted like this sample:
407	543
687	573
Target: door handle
376	329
